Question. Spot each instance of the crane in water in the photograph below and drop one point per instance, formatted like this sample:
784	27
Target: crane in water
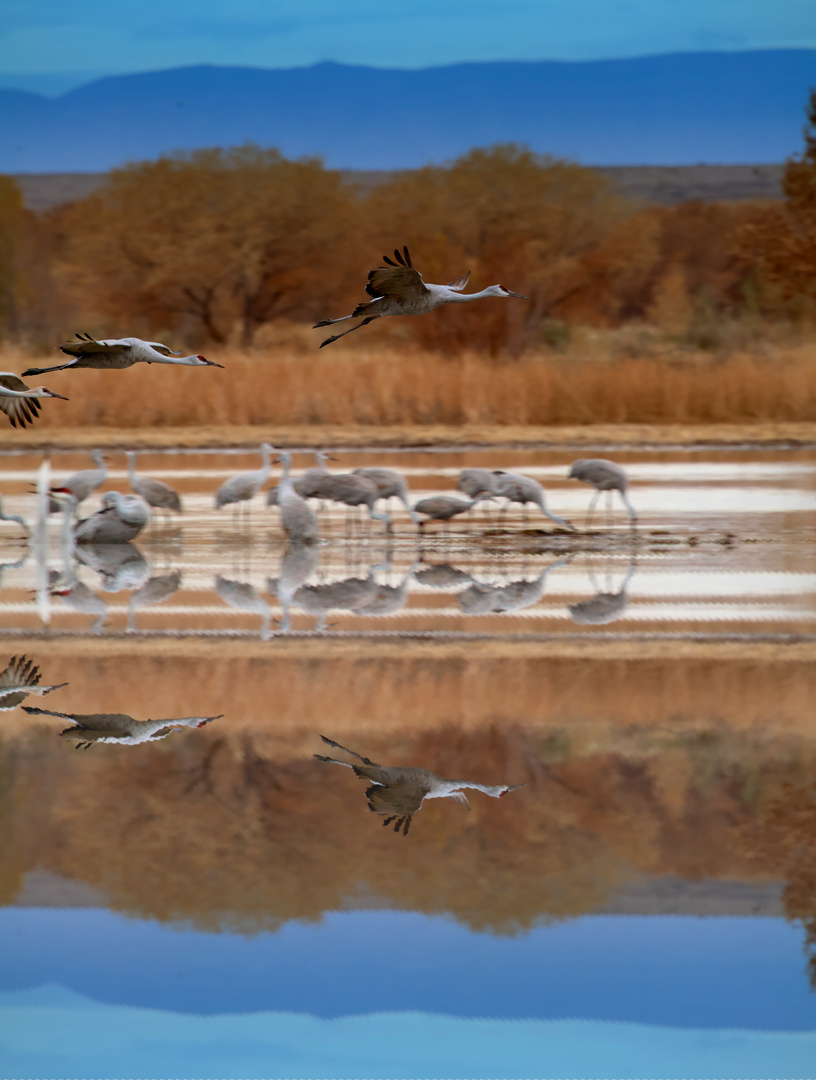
154	492
115	354
398	289
523	489
121	519
80	484
444	507
245	486
390	484
299	520
399	791
605	476
19	402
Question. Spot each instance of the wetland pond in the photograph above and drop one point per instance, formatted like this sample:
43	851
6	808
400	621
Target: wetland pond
193	885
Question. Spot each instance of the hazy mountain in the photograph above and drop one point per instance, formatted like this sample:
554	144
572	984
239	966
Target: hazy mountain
680	109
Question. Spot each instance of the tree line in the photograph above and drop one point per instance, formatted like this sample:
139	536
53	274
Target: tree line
213	245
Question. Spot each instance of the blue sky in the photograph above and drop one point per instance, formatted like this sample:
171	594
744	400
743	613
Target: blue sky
50	45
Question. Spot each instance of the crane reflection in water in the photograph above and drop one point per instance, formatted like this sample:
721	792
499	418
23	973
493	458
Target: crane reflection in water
119	728
398	791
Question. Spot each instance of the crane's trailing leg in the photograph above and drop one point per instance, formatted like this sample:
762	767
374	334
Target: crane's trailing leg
337	746
359	326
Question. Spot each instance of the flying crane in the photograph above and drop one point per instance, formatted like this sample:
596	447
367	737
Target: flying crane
398	289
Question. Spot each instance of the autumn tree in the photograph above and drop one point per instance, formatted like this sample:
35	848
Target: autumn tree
12	226
780	244
211	241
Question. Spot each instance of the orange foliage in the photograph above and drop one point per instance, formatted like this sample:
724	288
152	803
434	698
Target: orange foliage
216	245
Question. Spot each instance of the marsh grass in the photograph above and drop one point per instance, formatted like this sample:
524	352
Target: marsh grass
379	384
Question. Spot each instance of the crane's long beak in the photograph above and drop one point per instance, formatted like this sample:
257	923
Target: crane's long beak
517	295
60	396
212	363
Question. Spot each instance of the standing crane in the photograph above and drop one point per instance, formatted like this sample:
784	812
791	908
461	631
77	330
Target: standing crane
605	476
398	289
299	520
351	490
115	354
523	489
400	790
245	486
390	484
19	402
444	507
154	492
80	484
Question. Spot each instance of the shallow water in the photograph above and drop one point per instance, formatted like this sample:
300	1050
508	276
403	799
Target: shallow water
724	545
187	891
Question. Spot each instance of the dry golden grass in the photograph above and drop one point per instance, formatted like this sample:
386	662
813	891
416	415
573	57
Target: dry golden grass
364	386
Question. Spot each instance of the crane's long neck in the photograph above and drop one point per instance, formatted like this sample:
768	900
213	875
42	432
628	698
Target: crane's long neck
131	460
286	483
184	361
266	466
100	461
452	297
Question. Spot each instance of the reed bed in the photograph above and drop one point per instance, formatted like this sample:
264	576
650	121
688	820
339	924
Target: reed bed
382	386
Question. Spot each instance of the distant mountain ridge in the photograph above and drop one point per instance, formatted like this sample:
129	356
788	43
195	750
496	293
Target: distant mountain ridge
724	108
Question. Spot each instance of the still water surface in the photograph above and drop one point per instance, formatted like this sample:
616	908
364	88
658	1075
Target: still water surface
188	890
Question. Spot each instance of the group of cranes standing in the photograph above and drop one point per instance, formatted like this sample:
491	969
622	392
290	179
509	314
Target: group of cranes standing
123	516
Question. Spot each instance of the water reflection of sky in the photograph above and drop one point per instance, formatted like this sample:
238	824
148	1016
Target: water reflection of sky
668	996
676	971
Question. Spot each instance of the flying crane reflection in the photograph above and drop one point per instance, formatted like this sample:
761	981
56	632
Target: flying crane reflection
118	728
397	792
19	679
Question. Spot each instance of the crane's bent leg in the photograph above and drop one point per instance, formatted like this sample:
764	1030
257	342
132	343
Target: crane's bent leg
359	326
552	517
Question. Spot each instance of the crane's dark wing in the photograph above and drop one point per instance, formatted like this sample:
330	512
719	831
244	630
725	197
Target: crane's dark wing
398	278
20	411
460	283
88	346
